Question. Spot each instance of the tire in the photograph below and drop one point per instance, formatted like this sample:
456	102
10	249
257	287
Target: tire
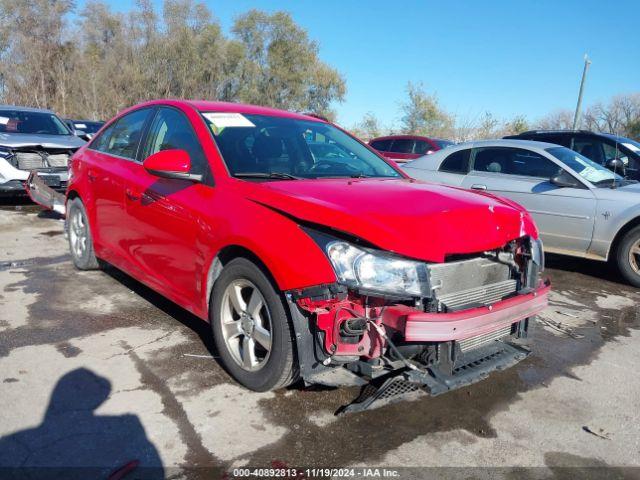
628	256
80	240
248	317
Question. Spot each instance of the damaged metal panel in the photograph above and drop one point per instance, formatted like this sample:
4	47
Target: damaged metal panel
44	195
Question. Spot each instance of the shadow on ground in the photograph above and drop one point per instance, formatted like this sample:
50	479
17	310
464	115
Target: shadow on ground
74	442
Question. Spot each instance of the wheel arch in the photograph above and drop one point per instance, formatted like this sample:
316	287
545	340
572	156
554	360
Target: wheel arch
224	256
626	228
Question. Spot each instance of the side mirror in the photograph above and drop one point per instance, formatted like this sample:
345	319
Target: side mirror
616	165
171	164
565	180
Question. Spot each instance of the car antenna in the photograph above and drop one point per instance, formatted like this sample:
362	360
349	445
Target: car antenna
615	164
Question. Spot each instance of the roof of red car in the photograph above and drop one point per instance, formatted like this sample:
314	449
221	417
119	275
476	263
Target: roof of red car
208	106
410	137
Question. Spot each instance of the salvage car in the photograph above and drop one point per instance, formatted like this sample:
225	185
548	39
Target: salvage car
404	148
33	140
304	264
581	208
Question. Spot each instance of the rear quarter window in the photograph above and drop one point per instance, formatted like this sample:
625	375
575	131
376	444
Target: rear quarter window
457	162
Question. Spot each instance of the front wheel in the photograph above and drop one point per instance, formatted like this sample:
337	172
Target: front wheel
628	256
251	328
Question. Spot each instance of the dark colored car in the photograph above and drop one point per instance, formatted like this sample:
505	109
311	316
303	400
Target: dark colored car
619	154
403	148
84	129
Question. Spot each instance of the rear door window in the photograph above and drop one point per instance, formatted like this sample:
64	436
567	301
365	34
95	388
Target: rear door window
402	145
381	145
124	138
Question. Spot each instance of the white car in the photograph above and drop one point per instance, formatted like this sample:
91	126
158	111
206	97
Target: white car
581	208
33	140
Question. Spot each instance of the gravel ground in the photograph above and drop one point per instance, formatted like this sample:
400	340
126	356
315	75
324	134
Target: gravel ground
96	371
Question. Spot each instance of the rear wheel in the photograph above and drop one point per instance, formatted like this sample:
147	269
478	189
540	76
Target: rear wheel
628	256
251	328
80	241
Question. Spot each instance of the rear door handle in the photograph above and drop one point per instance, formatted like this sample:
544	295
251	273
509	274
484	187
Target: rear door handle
478	186
131	196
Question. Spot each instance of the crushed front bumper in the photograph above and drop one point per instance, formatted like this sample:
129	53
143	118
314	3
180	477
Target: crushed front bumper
469	368
441	327
44	195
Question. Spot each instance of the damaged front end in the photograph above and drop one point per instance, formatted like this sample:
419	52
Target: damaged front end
401	328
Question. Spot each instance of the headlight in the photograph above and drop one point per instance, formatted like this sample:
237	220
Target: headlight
4	152
377	271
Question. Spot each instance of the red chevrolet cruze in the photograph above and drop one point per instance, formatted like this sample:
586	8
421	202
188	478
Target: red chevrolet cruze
310	255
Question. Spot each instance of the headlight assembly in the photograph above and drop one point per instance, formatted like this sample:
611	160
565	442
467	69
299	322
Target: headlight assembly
377	271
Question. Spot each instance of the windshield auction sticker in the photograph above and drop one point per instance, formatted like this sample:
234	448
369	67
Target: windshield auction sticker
221	120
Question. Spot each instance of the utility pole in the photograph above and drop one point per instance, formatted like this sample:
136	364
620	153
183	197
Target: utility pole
576	117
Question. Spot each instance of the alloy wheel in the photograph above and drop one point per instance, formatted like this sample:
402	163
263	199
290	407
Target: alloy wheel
78	234
246	324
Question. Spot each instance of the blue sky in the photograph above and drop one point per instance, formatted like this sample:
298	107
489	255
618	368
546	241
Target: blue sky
506	57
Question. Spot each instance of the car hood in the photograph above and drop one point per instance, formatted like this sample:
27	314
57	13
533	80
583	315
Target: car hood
412	218
21	140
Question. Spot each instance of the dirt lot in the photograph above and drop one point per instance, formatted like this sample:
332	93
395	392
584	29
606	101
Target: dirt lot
97	370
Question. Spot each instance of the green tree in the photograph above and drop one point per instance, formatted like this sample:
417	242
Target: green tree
422	115
282	68
368	128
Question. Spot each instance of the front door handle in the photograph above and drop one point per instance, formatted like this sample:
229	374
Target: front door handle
91	176
131	196
478	186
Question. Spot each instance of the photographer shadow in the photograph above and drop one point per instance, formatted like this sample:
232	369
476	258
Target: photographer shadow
73	442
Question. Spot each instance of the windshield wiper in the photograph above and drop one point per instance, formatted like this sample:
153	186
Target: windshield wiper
273	175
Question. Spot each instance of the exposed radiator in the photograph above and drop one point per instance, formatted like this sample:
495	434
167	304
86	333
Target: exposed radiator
480	340
482	295
468	283
58	159
29	160
37	160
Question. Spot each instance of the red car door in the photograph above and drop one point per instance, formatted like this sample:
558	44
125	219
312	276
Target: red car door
106	164
164	224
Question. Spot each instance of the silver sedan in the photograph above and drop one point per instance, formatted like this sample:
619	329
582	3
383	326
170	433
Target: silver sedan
581	208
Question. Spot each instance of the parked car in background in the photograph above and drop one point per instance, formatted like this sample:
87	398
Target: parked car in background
581	208
84	129
33	139
283	232
619	154
403	148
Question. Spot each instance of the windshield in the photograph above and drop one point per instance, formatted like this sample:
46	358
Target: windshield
443	143
20	121
587	169
285	148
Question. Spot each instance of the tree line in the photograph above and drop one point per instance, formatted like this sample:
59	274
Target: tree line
92	62
422	114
